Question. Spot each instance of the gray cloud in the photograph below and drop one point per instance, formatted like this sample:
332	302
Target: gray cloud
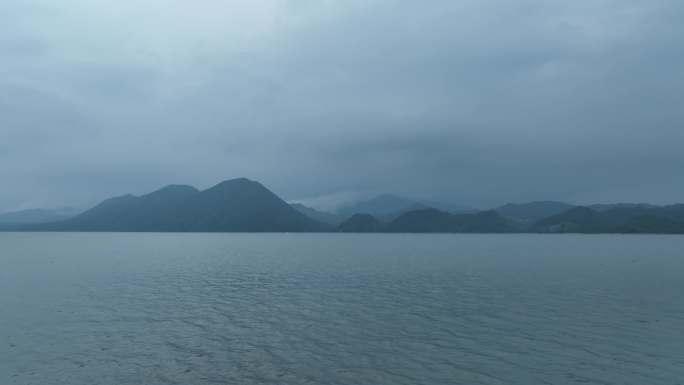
475	102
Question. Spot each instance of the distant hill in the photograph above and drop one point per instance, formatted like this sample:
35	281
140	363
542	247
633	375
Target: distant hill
382	205
602	207
33	216
621	219
431	221
388	218
388	207
320	216
238	205
448	207
436	221
533	211
361	223
575	220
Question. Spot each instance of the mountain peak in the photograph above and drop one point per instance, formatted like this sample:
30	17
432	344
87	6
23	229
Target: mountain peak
233	205
174	189
236	183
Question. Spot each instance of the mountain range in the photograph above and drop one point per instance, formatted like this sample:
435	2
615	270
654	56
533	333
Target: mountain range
528	213
243	205
619	219
390	206
237	205
384	207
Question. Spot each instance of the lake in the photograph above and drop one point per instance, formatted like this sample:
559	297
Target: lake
340	309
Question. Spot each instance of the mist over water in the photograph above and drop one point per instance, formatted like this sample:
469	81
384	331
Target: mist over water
118	309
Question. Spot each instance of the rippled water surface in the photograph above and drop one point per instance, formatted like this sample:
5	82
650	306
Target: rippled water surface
340	309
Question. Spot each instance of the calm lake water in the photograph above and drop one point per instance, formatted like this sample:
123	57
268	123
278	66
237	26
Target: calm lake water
340	309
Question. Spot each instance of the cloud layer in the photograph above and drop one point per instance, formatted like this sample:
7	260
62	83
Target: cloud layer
474	102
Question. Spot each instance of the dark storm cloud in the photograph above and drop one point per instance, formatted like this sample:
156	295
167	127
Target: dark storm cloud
476	102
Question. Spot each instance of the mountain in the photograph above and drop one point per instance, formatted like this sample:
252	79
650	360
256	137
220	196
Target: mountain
387	218
602	207
436	221
388	207
533	211
382	205
242	205
422	221
431	221
237	205
156	211
37	216
448	207
320	216
646	219
360	223
652	225
576	220
620	219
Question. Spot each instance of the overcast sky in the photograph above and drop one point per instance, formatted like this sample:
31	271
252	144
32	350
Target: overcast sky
477	102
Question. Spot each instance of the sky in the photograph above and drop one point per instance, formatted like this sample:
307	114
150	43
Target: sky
473	102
